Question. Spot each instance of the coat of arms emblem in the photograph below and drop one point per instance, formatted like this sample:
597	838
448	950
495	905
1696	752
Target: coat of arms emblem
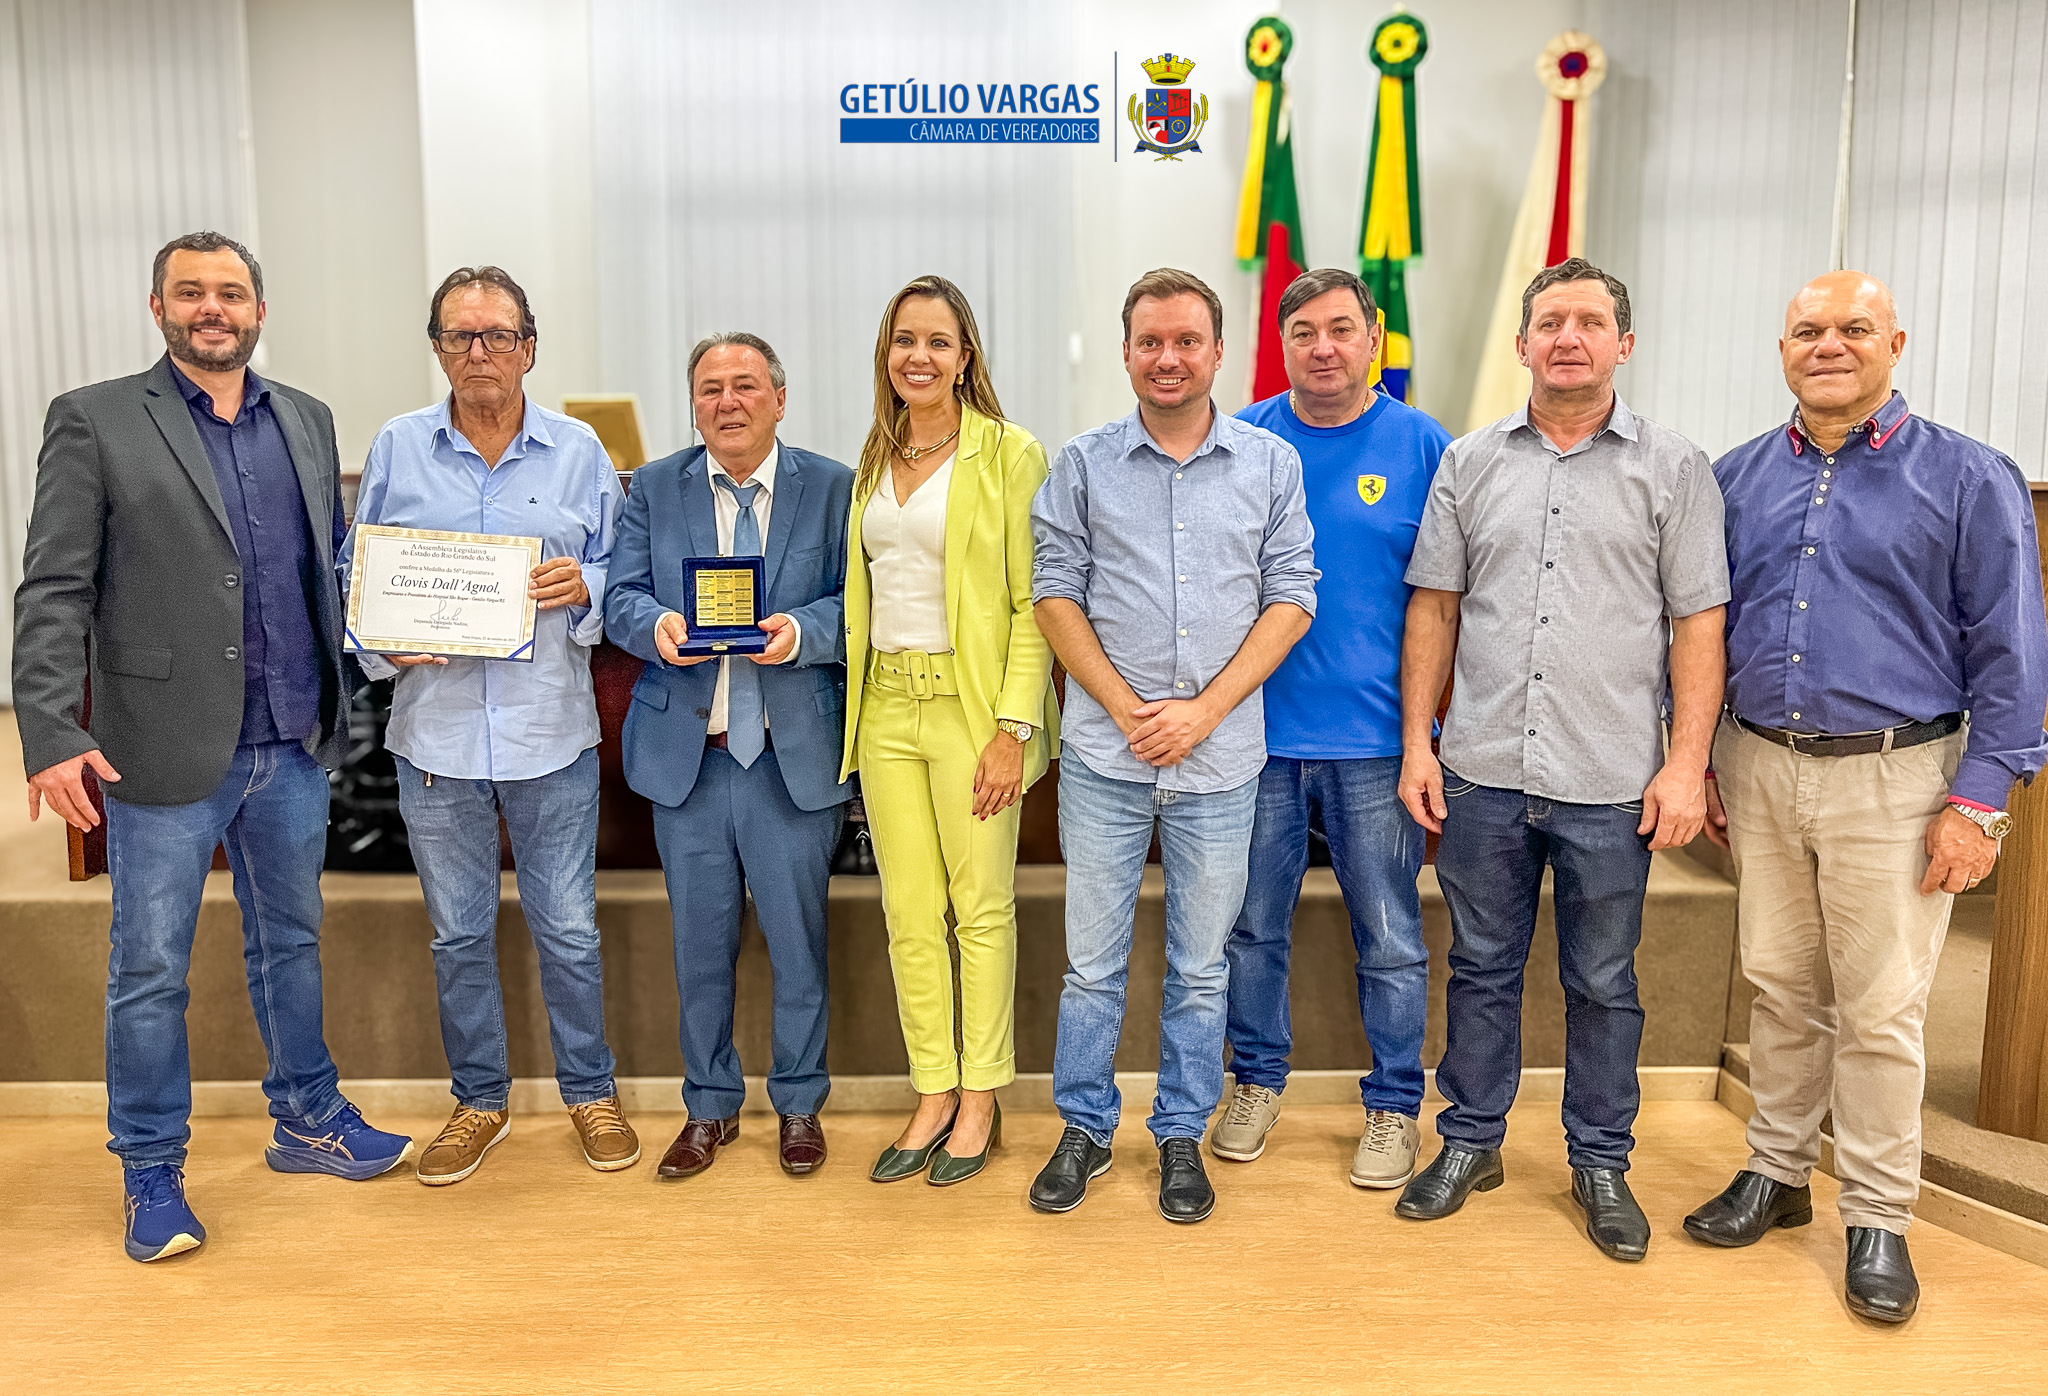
1171	116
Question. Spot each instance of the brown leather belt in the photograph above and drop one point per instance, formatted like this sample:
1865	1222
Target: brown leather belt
717	741
1857	743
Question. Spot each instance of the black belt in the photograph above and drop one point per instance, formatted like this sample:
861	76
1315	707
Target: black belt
718	741
1857	743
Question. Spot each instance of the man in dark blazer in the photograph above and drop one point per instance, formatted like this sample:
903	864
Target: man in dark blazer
740	755
181	558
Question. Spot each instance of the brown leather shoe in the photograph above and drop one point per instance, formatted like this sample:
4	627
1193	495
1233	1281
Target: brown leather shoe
697	1145
803	1144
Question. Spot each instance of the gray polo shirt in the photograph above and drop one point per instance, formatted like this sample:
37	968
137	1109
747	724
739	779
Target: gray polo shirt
1569	564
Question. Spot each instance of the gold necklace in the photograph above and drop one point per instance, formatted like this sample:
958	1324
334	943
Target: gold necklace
917	453
1295	408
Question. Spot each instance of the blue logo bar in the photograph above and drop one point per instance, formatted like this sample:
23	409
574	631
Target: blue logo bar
918	130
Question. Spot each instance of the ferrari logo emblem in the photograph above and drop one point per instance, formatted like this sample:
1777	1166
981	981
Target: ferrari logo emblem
1371	487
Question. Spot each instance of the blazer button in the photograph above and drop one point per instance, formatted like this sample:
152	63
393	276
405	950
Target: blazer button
231	580
233	653
704	712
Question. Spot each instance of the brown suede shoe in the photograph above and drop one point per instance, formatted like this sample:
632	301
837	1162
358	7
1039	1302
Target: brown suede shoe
803	1144
462	1144
609	1143
697	1145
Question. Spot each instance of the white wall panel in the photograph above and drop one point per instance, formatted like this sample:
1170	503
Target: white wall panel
123	123
1950	170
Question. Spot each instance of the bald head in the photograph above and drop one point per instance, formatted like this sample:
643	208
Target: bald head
1842	339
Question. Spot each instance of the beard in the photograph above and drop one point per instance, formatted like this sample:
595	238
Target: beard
178	338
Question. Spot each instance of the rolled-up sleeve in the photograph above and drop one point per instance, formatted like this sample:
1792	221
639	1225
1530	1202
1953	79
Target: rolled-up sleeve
1440	561
1287	556
1692	557
2004	639
1062	560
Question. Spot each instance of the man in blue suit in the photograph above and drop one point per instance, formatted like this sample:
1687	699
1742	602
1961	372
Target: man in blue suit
740	755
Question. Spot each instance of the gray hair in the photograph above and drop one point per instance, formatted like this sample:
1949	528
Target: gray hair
1310	284
203	242
776	377
1578	269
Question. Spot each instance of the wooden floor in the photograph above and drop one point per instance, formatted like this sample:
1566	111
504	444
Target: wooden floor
539	1275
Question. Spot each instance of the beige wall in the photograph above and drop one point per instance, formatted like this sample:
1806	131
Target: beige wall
335	118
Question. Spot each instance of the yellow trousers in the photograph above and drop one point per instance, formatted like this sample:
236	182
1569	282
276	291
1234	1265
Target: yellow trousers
917	761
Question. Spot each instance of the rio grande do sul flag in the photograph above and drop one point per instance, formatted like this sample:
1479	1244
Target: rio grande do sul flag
1268	210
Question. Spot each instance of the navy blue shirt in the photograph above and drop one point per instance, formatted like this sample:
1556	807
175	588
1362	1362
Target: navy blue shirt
1891	582
267	516
1337	694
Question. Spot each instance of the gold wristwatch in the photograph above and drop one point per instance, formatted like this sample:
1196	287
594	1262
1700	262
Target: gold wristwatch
1996	823
1020	730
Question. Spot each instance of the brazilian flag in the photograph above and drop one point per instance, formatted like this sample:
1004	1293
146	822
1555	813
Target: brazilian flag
1390	229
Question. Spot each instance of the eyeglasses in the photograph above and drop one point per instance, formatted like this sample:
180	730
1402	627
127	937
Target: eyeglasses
496	341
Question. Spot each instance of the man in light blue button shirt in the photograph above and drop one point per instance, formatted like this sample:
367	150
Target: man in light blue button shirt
1174	571
474	738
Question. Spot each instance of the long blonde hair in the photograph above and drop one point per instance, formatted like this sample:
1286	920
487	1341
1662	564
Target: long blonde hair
890	432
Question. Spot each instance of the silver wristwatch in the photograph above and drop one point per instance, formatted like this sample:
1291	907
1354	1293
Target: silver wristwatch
1995	822
1022	731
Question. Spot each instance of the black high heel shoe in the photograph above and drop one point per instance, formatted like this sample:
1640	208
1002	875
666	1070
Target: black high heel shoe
947	1170
897	1164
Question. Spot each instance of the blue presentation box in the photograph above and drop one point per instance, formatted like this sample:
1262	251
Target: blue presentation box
722	605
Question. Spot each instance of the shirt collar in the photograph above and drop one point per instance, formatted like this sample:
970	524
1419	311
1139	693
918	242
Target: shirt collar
1620	421
1136	435
1876	429
764	473
533	429
254	389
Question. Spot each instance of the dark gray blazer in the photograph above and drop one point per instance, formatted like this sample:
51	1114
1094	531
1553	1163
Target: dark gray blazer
131	576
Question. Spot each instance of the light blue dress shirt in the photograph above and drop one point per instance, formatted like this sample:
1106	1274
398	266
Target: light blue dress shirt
1173	562
493	719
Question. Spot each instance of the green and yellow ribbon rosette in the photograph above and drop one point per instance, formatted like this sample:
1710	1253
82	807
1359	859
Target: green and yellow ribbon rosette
1268	162
1390	227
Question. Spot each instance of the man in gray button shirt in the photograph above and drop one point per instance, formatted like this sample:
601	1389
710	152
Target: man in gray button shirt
1173	573
1557	544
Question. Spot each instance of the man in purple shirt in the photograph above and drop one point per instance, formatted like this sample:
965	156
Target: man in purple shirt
1887	673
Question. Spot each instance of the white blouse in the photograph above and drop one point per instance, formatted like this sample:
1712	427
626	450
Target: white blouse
906	550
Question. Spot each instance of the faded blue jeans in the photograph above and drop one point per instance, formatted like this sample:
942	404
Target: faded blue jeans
453	826
270	810
1376	852
1106	828
1490	863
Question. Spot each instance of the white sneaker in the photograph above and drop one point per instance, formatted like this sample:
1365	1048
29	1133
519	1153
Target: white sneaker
1240	1135
1386	1151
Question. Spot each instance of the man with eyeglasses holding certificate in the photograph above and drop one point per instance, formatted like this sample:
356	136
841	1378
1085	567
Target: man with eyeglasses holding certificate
474	738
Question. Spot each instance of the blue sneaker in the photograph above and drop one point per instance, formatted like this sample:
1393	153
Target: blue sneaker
159	1223
344	1146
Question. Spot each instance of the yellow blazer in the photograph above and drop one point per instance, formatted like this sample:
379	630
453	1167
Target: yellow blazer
1002	664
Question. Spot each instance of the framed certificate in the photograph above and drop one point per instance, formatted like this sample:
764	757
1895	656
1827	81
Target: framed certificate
722	606
422	591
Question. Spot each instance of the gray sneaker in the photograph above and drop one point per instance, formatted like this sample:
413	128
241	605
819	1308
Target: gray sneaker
1386	1151
1240	1135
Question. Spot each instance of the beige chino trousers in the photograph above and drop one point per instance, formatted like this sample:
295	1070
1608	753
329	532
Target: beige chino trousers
1841	945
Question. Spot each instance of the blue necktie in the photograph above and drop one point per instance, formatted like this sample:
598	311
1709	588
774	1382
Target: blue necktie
745	736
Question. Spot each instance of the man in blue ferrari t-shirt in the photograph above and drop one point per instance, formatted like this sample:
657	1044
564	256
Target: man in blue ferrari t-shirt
1333	733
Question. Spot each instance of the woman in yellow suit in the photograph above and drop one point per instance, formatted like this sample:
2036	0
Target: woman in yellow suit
949	711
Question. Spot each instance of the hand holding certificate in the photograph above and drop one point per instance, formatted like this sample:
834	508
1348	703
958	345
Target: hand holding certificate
423	592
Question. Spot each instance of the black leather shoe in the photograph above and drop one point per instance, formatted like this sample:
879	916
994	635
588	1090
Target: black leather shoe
1613	1220
1184	1191
1452	1176
1881	1281
1062	1184
1751	1206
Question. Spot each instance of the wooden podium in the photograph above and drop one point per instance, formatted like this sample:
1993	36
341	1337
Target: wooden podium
2012	1087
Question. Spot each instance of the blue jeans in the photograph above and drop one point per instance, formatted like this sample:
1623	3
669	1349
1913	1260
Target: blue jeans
453	826
1376	852
270	810
1490	862
1106	827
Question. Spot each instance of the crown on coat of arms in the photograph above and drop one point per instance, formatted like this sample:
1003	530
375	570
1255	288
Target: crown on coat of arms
1167	69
